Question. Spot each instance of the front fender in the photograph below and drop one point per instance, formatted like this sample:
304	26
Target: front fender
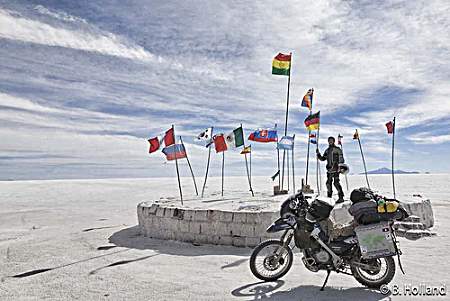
281	224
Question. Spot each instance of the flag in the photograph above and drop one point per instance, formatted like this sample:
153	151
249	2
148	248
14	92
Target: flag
263	135
219	143
312	122
205	135
235	138
340	139
312	138
286	143
275	175
154	144
281	64
307	99
390	127
174	151
356	135
169	138
246	150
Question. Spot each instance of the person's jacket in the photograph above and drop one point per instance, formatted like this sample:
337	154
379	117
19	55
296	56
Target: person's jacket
334	157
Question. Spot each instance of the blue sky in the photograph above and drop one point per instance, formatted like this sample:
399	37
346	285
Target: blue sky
83	84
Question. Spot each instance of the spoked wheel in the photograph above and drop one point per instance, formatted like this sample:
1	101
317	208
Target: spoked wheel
271	260
382	271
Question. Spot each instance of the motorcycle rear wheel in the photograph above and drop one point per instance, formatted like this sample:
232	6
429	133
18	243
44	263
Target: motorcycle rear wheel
275	264
374	279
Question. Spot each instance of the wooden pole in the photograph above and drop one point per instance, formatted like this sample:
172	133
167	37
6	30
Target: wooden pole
248	174
190	167
293	168
223	164
207	164
392	168
176	164
364	162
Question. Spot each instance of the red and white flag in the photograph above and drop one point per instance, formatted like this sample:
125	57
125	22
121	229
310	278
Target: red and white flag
219	143
390	127
169	138
154	144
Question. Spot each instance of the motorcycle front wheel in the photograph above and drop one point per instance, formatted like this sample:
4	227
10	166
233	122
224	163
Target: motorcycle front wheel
382	273
271	260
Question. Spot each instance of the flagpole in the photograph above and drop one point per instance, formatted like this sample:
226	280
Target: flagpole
278	154
248	175
207	164
190	167
392	169
176	164
250	163
364	161
287	113
307	156
223	164
293	168
342	148
287	166
317	162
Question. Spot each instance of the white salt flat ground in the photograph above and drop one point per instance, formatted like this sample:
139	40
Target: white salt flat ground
83	232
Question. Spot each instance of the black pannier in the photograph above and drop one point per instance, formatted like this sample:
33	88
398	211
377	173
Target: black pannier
366	213
320	209
362	194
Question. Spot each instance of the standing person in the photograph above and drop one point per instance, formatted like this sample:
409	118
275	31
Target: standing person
334	157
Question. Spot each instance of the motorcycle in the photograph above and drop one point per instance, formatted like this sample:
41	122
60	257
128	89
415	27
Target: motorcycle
299	221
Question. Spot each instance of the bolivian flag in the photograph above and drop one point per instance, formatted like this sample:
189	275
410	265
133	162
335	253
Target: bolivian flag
281	64
312	122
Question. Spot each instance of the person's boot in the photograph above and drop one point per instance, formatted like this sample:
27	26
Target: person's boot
340	199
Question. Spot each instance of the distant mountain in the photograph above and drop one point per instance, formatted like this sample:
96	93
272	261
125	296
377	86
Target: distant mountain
384	170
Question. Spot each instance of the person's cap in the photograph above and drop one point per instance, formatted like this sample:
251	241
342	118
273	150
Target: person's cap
331	137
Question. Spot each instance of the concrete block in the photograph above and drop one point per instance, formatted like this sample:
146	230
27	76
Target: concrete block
247	230
252	241
209	228
184	226
239	217
195	227
238	241
201	215
226	216
235	229
225	240
160	211
202	239
189	215
152	209
213	215
169	212
223	228
188	237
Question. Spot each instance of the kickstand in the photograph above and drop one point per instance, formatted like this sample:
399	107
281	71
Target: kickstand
326	279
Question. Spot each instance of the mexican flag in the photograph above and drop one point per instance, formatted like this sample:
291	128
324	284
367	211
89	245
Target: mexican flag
235	138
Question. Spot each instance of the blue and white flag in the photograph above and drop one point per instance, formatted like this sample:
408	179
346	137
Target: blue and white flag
286	143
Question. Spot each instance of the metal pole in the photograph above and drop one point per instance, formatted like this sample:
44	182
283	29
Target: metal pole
190	167
342	148
364	162
287	113
207	164
307	156
317	163
393	141
293	168
278	156
287	166
176	164
250	163
223	164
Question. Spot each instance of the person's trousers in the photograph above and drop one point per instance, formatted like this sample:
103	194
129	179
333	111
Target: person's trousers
334	177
